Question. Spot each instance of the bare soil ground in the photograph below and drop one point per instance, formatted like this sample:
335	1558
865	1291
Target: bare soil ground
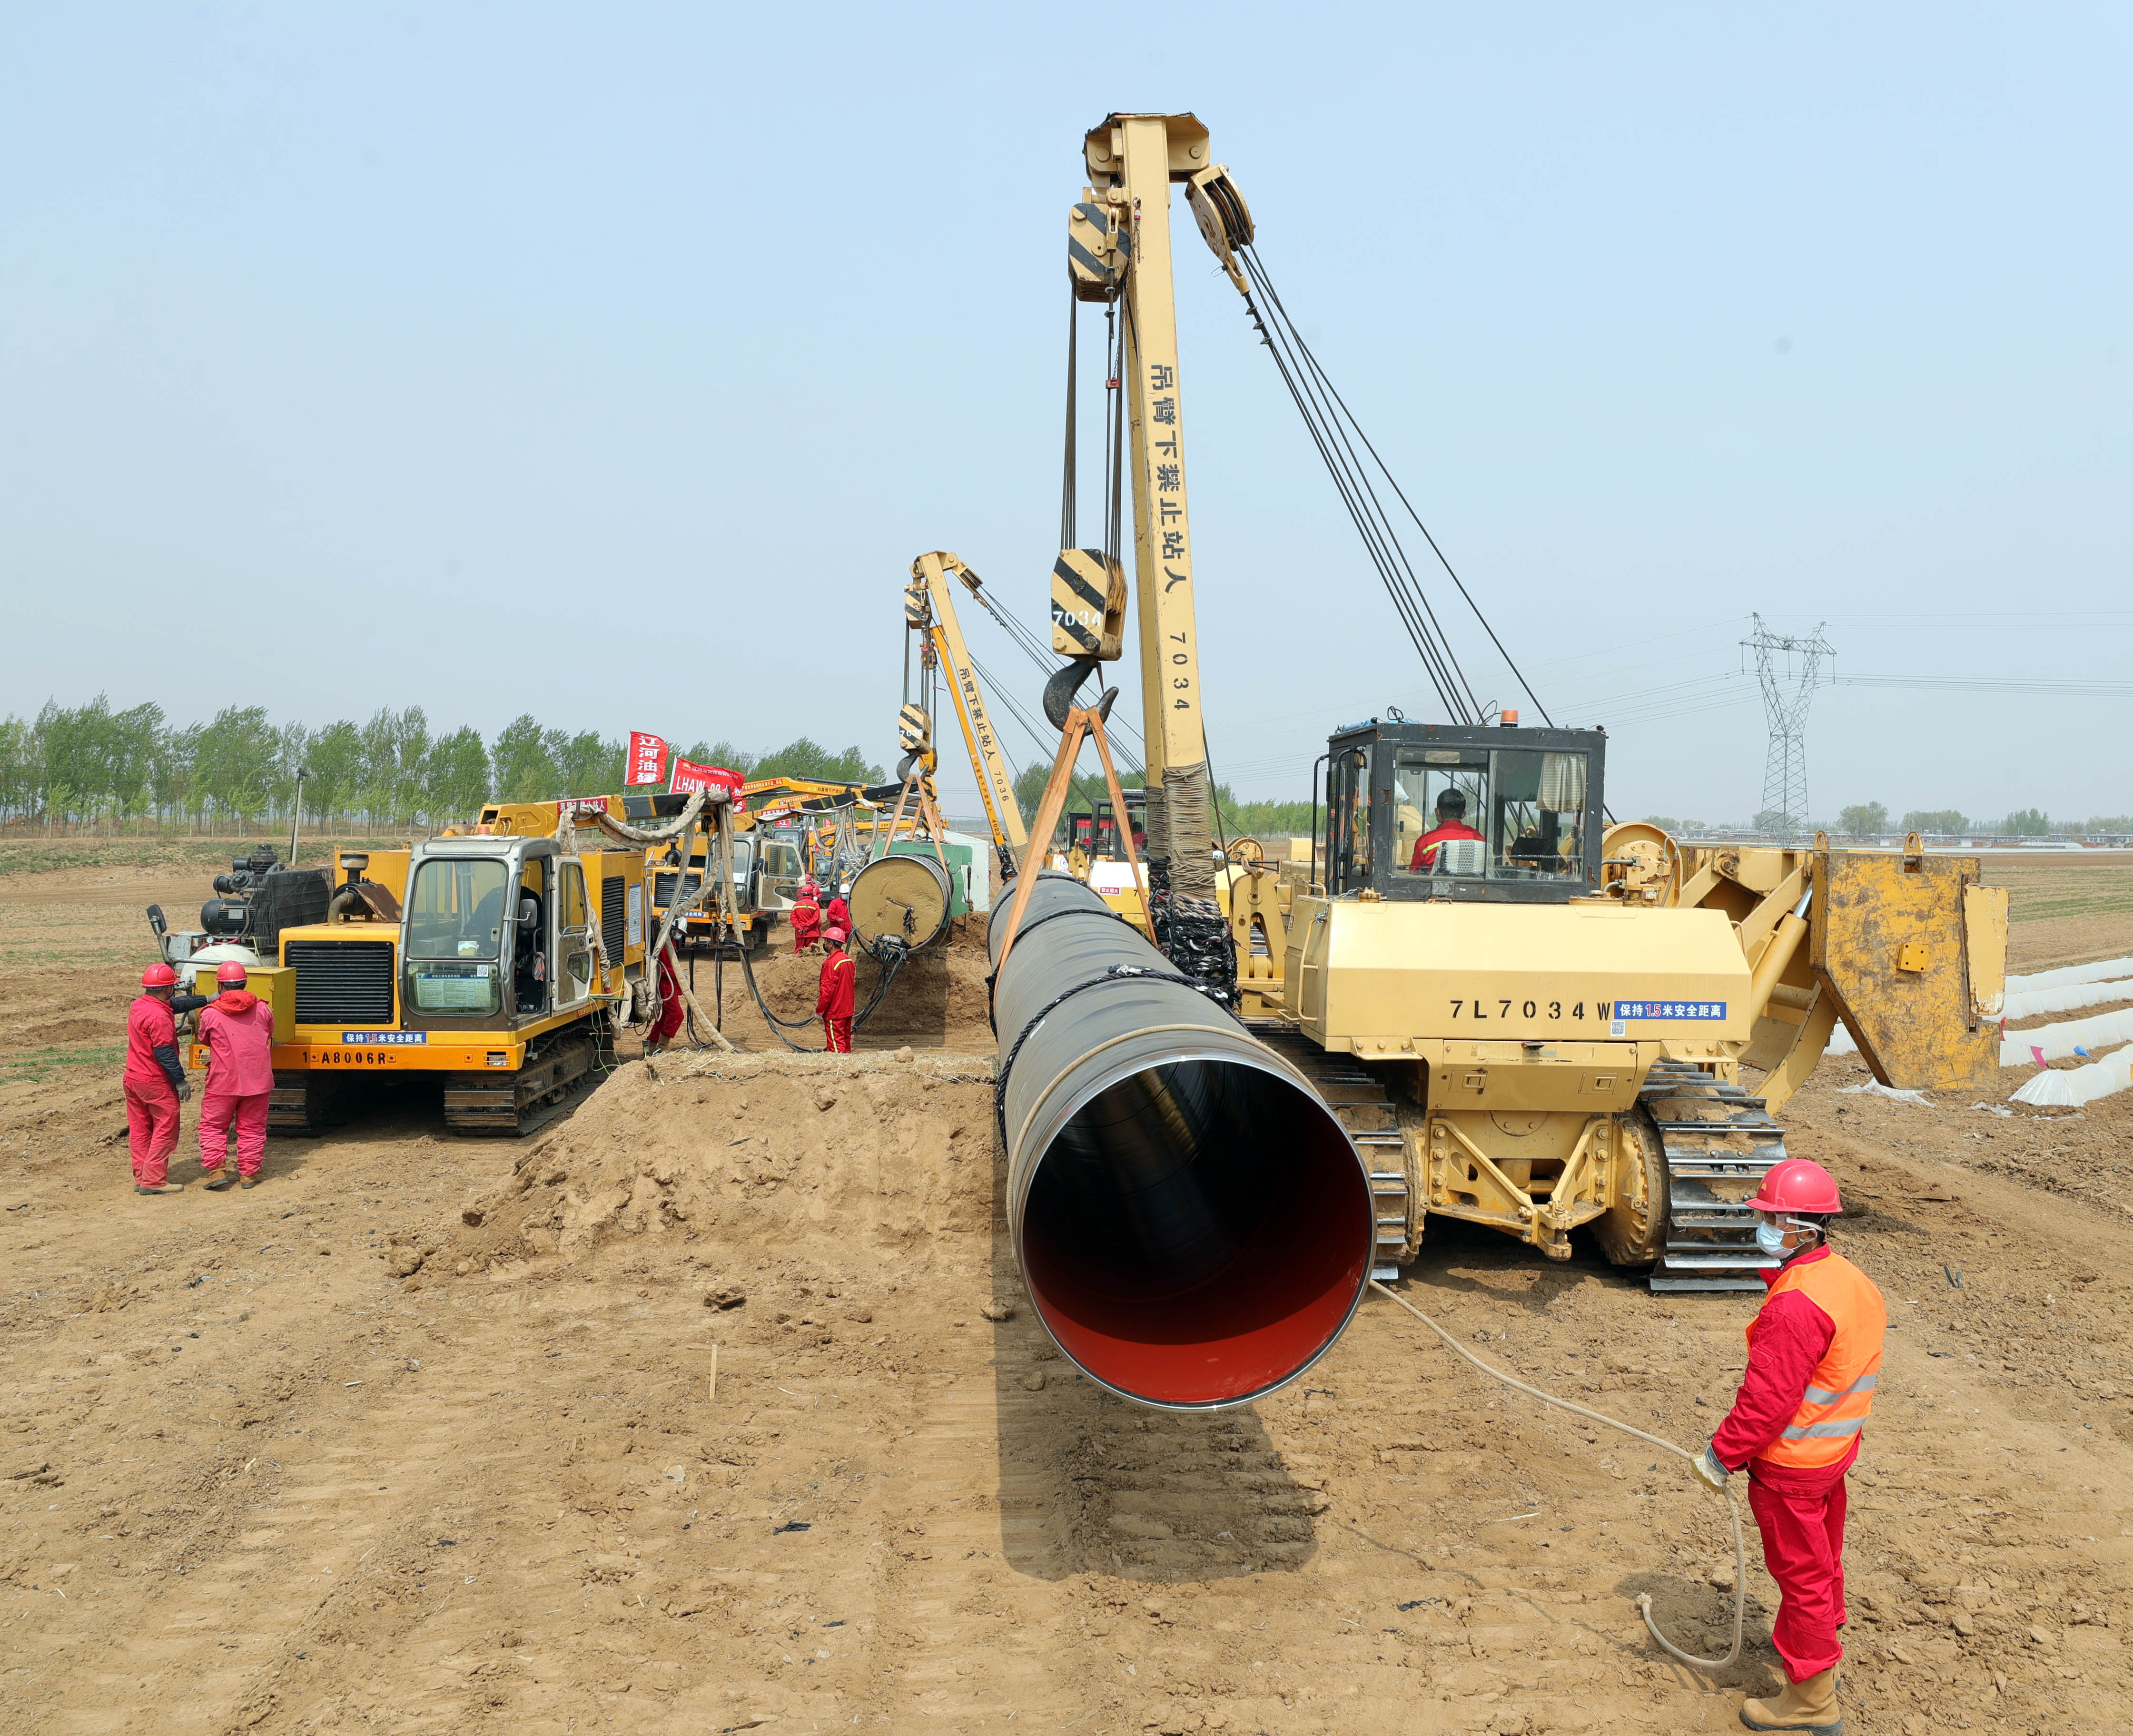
426	1432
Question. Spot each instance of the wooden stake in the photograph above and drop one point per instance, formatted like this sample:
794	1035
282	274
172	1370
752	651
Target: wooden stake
1125	824
1049	807
711	1397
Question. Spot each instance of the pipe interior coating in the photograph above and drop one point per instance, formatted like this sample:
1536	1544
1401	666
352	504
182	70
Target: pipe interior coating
1193	1225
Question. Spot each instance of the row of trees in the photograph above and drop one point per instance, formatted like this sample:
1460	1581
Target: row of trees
89	764
1872	820
1240	818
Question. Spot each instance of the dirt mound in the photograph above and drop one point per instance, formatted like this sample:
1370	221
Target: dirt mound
733	1156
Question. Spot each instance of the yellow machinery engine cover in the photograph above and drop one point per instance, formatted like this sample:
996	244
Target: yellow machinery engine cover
1379	977
902	898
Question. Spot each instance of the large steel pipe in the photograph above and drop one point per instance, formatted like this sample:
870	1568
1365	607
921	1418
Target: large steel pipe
1193	1225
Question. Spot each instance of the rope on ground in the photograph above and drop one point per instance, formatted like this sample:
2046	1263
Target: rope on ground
1644	1598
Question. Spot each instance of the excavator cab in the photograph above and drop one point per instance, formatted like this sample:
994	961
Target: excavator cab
1490	814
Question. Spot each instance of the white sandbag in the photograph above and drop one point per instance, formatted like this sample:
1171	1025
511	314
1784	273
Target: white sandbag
2026	1003
2100	971
2065	1087
2105	1031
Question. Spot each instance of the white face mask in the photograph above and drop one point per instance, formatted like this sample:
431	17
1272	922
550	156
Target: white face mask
1771	1238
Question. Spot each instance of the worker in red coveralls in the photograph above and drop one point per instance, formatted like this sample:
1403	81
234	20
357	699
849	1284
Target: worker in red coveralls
833	999
1451	824
1814	1357
237	1028
837	914
806	918
673	1010
154	1079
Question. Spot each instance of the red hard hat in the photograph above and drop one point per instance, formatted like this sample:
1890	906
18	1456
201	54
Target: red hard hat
1797	1185
159	976
837	934
230	971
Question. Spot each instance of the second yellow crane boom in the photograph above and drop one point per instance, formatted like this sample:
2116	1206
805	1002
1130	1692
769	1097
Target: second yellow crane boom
929	610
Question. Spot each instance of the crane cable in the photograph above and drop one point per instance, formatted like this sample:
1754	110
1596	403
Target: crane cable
1353	485
1644	1598
1320	389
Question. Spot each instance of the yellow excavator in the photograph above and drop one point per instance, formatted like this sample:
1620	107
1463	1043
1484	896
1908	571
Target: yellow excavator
489	964
1526	1016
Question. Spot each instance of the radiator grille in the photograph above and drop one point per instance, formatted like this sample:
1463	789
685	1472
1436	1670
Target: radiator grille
343	981
662	888
614	912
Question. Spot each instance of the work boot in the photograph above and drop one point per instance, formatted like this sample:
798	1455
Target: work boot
161	1187
1809	1705
249	1181
218	1178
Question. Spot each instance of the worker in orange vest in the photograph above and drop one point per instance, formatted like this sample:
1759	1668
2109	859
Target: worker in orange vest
1814	1358
806	918
835	997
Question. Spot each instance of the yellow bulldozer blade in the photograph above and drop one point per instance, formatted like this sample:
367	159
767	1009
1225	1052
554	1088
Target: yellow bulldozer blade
1915	950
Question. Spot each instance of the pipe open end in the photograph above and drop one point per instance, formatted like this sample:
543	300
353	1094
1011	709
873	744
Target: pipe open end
1198	1232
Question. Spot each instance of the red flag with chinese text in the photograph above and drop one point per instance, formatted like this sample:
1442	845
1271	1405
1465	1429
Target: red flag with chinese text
647	759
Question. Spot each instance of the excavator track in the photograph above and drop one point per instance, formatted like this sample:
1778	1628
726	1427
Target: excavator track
1361	1104
557	1075
1719	1142
305	1105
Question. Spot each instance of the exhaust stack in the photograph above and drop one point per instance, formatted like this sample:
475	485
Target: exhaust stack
1194	1227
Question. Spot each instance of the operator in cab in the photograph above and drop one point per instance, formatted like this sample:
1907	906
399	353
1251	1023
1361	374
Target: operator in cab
1451	826
1814	1358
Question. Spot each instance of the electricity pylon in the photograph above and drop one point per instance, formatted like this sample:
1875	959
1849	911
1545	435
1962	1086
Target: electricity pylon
1784	760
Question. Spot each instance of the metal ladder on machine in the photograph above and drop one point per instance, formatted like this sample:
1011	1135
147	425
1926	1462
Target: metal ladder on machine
1710	1231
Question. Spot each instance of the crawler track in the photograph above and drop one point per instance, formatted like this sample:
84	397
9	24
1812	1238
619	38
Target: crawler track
564	1068
1719	1142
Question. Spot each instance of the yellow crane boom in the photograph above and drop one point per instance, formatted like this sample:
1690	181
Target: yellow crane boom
1119	250
929	610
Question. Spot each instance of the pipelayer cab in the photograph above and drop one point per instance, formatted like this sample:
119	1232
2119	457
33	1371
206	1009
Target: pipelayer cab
1482	1001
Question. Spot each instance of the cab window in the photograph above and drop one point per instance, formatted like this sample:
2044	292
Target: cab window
1483	813
1441	811
1348	820
456	910
1539	815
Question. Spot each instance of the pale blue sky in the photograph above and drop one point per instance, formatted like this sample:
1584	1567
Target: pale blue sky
613	365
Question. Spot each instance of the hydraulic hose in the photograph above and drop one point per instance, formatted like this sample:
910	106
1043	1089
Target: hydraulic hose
896	956
1644	1598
